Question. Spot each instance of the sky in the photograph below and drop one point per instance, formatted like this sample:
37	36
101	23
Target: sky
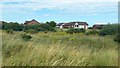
90	11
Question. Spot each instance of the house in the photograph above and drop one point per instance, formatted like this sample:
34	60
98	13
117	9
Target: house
32	22
59	25
83	25
98	26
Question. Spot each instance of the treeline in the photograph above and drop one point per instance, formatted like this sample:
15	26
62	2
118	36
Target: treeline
48	26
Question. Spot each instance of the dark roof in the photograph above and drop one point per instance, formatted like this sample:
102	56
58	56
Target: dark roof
69	24
82	23
59	24
98	25
73	23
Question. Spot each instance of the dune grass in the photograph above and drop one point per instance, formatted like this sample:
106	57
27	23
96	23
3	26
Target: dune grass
59	49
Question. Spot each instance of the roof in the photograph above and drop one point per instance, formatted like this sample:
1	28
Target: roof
82	23
69	24
73	23
26	22
59	24
98	25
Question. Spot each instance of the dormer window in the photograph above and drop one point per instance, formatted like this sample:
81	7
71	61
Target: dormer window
76	25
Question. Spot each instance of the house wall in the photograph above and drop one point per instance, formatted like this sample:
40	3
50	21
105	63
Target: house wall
32	22
75	26
81	26
86	26
61	26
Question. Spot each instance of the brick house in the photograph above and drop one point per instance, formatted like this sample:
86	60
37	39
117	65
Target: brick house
32	22
98	26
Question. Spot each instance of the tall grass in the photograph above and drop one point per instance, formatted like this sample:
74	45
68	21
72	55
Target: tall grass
58	49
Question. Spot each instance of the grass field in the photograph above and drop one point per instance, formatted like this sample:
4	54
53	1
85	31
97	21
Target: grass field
59	49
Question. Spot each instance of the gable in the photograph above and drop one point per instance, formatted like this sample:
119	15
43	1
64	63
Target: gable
31	22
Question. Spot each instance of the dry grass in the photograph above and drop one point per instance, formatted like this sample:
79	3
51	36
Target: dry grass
59	49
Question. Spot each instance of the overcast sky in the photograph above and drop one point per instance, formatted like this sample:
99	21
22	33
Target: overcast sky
91	11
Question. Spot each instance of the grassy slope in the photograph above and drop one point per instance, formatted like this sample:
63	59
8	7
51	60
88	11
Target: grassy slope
59	49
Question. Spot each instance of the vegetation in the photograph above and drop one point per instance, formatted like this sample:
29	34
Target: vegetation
9	31
42	45
51	23
32	31
58	49
117	38
26	37
110	29
72	30
92	32
29	28
13	26
90	28
35	27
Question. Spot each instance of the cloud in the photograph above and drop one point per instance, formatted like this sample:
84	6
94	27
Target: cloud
65	6
60	0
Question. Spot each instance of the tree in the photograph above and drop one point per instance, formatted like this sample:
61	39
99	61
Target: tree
52	24
46	27
13	26
47	22
35	27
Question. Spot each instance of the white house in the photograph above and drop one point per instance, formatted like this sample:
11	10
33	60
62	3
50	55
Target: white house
83	25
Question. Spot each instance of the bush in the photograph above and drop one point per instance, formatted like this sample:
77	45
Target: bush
35	27
93	32
51	23
52	29
26	37
12	25
90	28
109	29
32	31
117	38
6	53
10	31
72	30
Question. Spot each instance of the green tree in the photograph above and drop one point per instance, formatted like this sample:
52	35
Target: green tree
52	24
13	25
35	27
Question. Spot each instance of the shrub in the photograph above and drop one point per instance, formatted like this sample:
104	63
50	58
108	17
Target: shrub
6	53
117	38
52	29
46	27
72	30
26	37
92	32
10	31
109	29
13	25
90	28
51	23
45	31
32	31
35	27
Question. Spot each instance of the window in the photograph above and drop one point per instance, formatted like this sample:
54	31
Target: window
76	25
